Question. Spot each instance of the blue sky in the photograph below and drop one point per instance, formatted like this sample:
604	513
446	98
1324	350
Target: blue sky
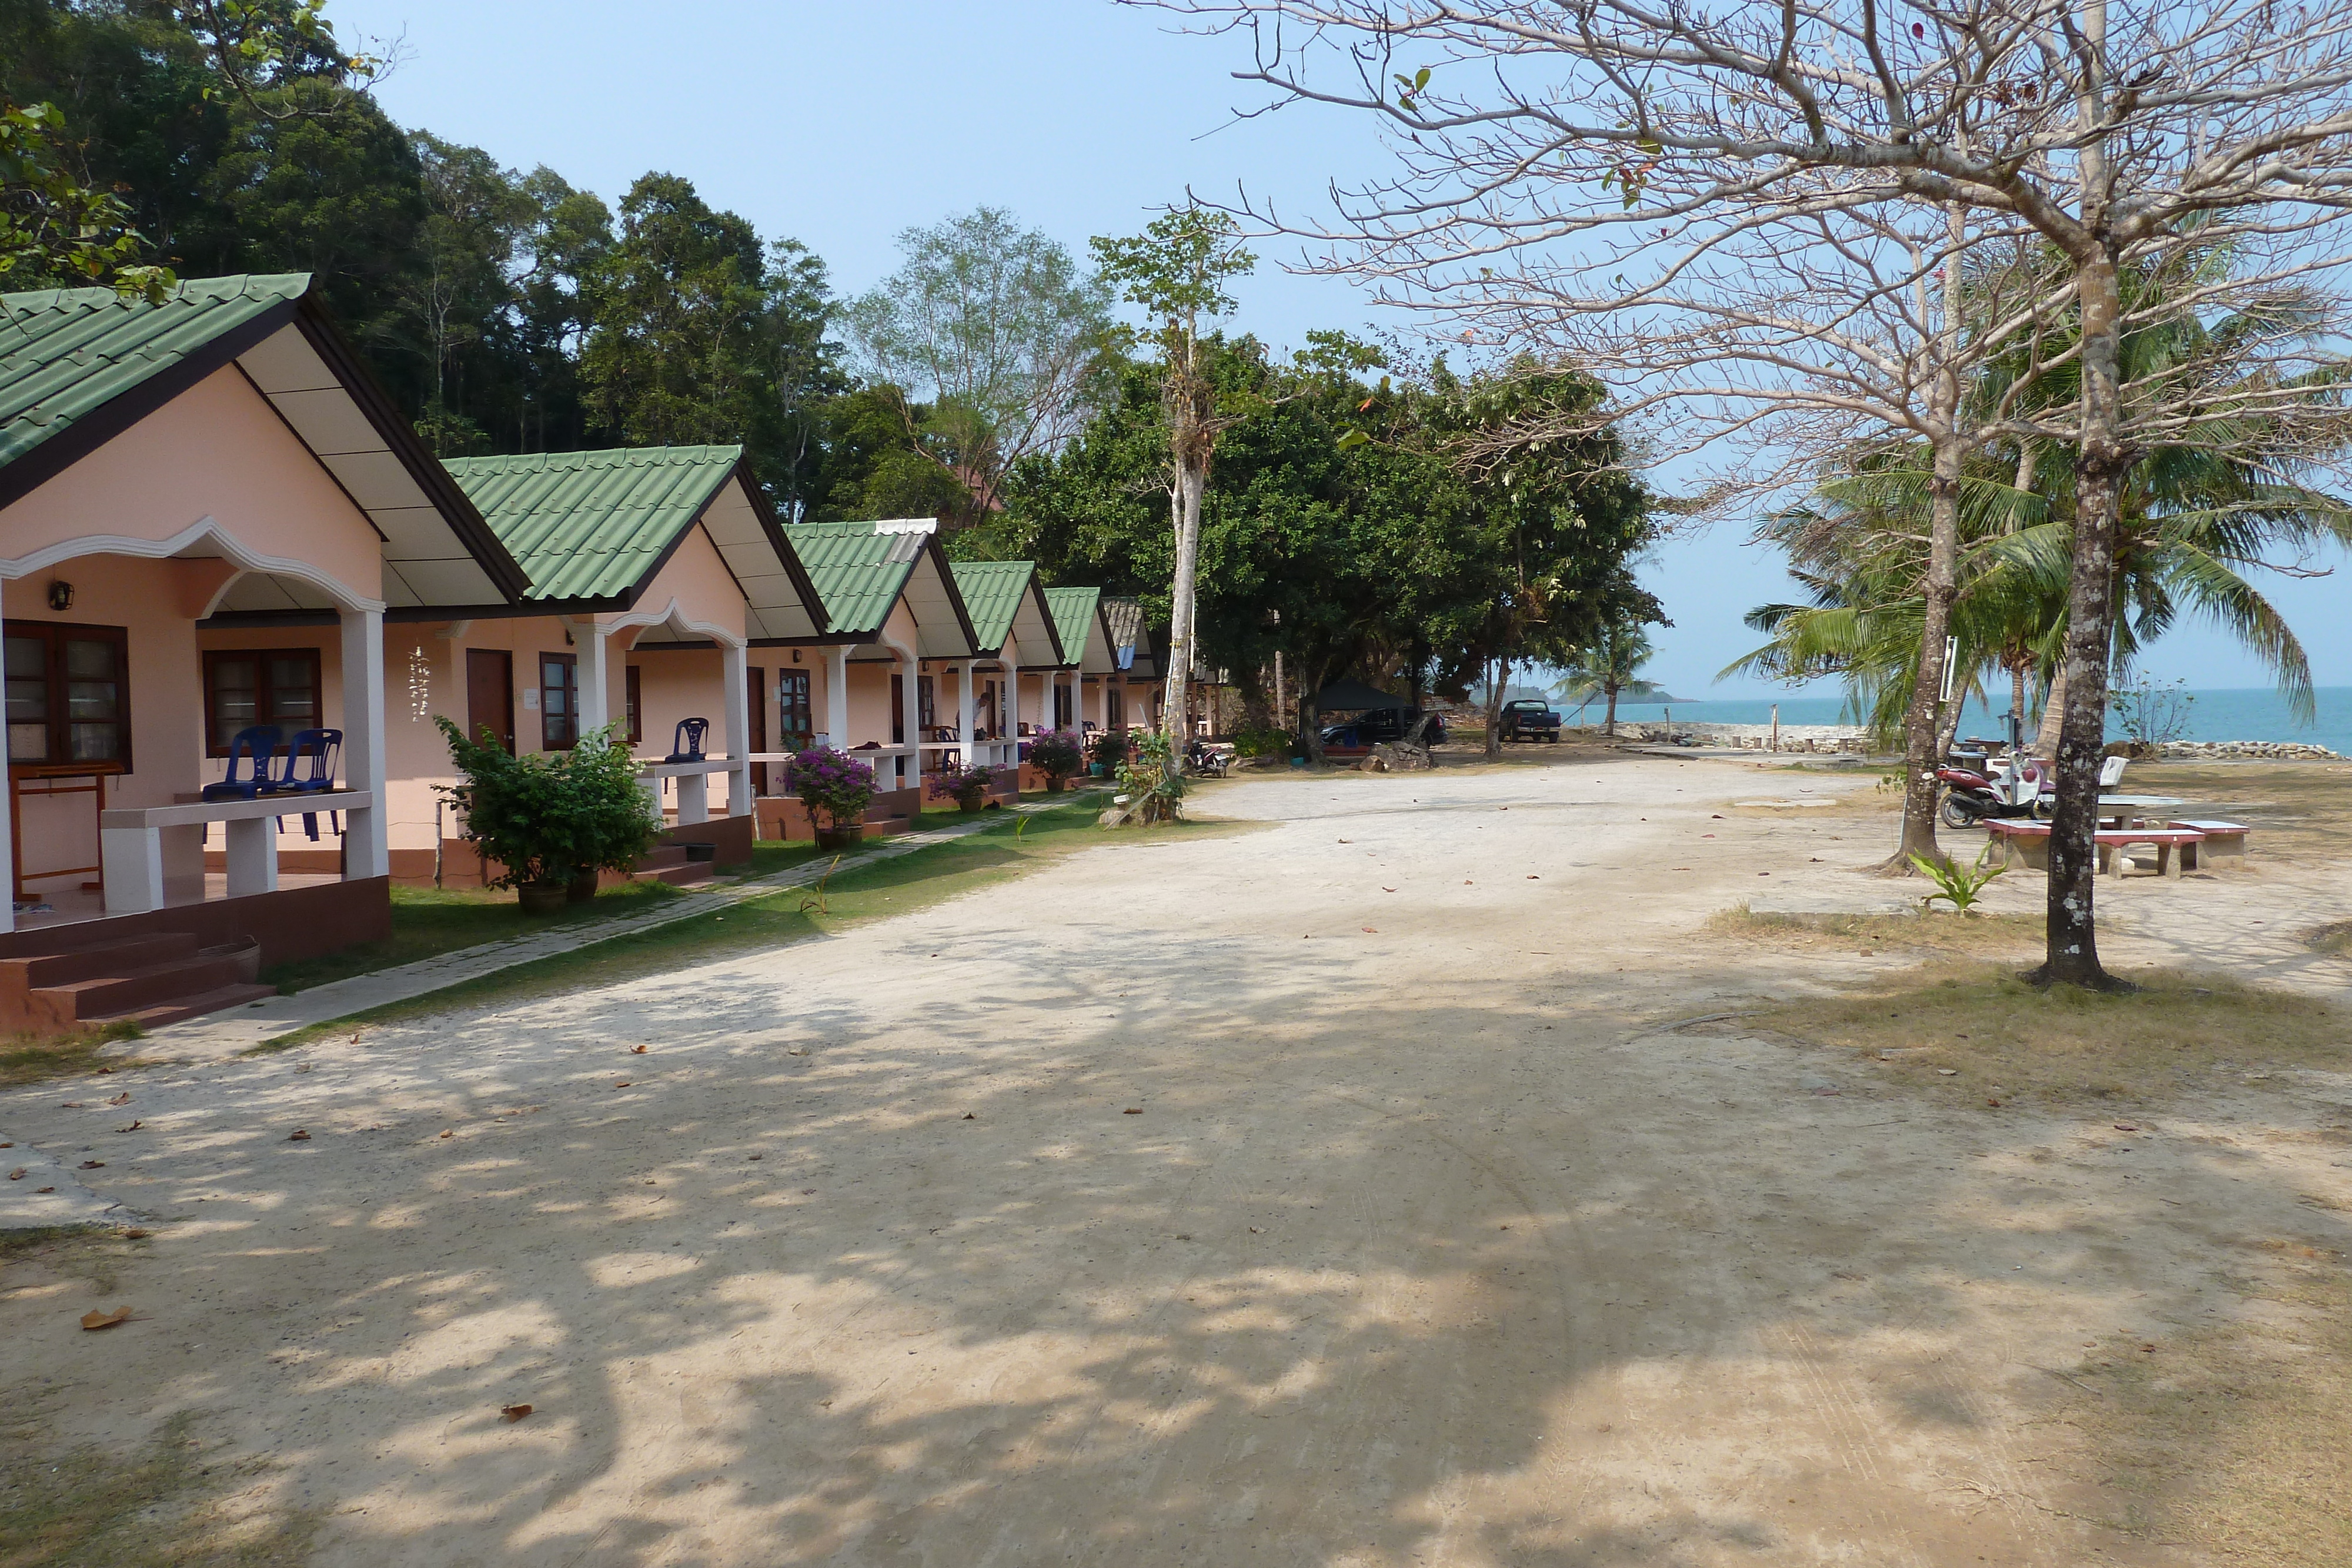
841	124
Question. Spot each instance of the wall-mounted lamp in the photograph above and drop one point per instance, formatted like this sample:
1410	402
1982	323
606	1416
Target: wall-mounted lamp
60	594
796	655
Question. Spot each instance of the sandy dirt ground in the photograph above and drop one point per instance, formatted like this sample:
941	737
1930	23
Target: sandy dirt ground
1335	1192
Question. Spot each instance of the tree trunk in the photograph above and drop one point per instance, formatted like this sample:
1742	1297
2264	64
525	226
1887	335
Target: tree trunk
1609	728
1922	723
2072	947
2017	702
2053	709
1502	673
1190	480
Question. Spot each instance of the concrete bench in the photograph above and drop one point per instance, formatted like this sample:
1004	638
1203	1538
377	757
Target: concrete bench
2223	847
2028	845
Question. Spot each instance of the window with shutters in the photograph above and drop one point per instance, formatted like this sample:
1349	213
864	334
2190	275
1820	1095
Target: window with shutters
68	696
246	686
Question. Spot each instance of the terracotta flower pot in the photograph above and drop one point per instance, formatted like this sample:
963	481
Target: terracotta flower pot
580	888
840	837
543	897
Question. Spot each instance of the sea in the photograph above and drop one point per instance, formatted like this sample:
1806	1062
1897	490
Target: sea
2256	713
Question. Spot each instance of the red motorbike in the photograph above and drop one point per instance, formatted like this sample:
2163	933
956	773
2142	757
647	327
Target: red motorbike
2010	787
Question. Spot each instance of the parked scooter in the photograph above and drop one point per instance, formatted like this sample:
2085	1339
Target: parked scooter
2009	787
1206	760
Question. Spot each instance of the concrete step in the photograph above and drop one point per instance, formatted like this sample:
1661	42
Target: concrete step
686	873
661	857
180	1008
129	990
95	960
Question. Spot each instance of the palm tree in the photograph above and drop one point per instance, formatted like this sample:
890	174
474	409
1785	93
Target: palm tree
1607	667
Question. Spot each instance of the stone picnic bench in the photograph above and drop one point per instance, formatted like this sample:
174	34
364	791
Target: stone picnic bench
2181	846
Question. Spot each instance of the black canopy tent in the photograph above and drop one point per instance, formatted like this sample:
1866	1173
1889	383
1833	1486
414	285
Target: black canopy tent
1350	695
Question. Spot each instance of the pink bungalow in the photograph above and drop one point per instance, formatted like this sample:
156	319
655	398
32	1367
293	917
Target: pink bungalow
221	455
893	614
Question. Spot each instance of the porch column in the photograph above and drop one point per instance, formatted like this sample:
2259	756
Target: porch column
366	850
594	697
732	670
910	720
836	698
8	853
967	715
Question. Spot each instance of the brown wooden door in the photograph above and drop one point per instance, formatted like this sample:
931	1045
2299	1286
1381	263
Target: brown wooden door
490	695
755	680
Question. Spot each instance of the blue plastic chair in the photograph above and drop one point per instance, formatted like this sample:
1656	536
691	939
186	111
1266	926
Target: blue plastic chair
253	747
686	745
311	770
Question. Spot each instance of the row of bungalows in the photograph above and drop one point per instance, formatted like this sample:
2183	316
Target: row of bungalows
212	518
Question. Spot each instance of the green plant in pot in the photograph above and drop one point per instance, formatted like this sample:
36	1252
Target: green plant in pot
1106	753
550	821
1056	754
967	786
836	787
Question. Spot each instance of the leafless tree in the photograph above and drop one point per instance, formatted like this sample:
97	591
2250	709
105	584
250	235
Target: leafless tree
1574	168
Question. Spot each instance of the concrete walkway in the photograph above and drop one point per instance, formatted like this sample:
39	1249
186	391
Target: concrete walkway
227	1033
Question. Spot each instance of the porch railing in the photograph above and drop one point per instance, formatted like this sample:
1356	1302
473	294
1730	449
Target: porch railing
131	842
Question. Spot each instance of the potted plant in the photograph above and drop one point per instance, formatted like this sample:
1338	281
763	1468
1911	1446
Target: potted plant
967	786
1106	753
550	821
1152	785
1057	756
836	787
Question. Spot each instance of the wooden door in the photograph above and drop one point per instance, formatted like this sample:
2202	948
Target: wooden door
490	695
897	710
756	680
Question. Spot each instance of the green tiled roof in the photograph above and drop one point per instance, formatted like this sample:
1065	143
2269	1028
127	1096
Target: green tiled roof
1074	620
67	353
992	591
858	573
592	525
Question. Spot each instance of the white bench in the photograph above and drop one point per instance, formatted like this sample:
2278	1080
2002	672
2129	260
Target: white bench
131	842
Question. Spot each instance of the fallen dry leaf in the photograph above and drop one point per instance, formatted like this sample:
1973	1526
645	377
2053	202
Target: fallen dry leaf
94	1321
624	1083
137	1233
966	1116
19	1174
1947	1071
121	1099
1132	1111
448	1131
70	1105
1533	877
40	1189
1388	890
636	1051
297	1137
133	1128
2126	1126
1371	931
514	1412
93	1165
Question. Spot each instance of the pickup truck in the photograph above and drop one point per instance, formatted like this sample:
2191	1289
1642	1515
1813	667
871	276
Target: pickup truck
1526	719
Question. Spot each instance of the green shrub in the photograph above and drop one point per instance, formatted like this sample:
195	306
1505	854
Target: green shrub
1153	782
1263	741
832	783
550	817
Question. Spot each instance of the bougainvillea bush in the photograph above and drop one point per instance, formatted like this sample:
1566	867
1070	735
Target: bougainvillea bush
831	784
1056	754
967	786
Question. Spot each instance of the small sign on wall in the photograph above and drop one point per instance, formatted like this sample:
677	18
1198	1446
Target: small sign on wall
530	698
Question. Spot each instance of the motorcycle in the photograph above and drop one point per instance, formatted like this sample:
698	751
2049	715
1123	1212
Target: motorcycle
1207	761
2012	786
